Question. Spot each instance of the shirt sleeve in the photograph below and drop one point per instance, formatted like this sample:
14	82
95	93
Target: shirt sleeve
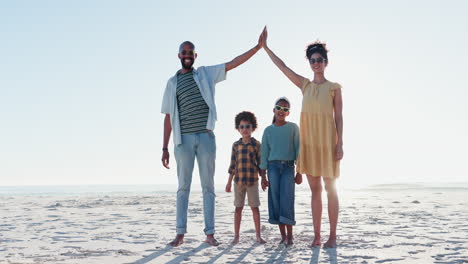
232	166
217	73
336	86
166	102
265	151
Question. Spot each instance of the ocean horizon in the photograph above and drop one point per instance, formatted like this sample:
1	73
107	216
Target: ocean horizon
94	189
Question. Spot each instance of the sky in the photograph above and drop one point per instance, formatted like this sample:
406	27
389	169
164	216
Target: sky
81	84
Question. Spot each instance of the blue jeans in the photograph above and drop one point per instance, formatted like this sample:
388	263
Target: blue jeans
203	147
281	192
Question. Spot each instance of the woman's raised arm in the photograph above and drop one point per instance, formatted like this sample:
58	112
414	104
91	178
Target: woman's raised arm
297	79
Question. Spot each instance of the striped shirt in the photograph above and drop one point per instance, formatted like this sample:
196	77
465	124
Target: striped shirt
245	159
193	110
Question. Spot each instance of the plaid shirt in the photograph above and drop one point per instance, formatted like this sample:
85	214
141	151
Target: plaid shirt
245	159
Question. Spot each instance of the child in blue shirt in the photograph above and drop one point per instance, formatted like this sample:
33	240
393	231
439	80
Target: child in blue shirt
279	150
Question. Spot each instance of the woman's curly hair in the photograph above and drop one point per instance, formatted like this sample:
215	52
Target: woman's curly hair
317	47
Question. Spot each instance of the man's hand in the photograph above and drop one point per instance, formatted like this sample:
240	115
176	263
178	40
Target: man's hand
228	187
262	40
298	178
265	183
165	159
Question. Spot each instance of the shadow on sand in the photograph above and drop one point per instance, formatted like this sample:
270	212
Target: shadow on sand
226	250
178	259
274	258
331	252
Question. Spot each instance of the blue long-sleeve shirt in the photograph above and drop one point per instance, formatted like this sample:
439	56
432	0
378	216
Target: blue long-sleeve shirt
279	143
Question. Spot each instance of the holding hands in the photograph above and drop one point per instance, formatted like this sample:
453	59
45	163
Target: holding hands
265	184
298	178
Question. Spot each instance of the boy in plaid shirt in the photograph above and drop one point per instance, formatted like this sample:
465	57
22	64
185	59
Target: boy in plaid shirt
244	169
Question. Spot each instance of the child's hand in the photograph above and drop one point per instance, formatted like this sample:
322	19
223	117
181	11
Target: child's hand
298	178
228	187
265	183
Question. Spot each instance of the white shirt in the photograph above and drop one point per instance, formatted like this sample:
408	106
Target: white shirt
206	78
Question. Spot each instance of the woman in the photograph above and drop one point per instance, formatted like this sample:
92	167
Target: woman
321	133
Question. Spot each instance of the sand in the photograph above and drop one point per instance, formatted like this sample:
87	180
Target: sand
376	225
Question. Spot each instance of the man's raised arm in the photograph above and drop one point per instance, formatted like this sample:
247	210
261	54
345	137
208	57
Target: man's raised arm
243	57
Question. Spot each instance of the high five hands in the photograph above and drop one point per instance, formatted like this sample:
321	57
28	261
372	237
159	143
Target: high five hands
262	40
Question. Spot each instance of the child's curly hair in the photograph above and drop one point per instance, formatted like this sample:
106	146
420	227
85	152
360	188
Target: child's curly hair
246	116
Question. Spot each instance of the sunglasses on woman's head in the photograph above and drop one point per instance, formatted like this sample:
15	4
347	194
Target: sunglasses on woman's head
248	126
187	52
318	60
282	108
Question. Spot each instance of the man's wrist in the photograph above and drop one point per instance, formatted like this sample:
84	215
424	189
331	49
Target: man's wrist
165	149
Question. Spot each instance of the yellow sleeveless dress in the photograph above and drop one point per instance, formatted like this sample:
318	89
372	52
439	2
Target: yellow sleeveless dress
318	131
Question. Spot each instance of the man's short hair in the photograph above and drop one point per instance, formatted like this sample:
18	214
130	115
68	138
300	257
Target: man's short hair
186	43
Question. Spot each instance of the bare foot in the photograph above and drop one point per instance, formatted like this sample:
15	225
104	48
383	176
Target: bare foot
235	240
316	242
260	240
211	240
331	243
283	240
178	240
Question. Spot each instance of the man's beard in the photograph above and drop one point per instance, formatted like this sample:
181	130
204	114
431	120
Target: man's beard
187	66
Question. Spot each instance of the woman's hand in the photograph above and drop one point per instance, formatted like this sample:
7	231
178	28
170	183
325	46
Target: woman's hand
339	151
262	40
298	178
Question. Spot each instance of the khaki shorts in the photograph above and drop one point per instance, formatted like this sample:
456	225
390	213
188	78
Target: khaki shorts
252	195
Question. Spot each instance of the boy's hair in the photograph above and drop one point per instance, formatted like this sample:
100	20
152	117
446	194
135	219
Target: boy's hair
246	116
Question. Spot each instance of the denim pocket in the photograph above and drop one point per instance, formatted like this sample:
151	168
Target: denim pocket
211	134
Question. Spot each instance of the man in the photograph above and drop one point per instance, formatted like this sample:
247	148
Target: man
190	111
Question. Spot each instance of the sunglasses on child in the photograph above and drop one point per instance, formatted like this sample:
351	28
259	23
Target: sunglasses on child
318	60
248	126
282	108
187	52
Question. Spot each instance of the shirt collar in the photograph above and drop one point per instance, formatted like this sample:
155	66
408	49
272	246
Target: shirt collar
253	142
194	71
